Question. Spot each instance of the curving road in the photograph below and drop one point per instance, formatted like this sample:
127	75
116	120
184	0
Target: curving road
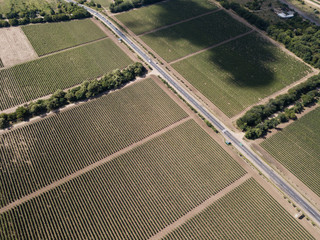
260	164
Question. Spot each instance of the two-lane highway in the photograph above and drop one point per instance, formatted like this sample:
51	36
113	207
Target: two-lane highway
260	164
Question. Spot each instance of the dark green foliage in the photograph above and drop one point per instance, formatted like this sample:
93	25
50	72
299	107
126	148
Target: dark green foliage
22	113
306	91
120	5
65	11
299	36
85	90
242	12
256	119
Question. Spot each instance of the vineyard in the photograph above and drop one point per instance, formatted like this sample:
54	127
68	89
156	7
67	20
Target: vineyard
188	37
44	76
52	37
162	14
297	148
237	74
247	212
39	153
135	195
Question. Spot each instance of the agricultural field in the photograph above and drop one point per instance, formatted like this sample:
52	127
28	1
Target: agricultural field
104	3
42	152
168	12
297	148
44	76
237	74
247	212
134	195
52	37
188	37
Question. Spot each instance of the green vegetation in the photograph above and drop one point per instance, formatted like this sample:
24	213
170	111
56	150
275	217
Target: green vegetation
42	152
21	12
246	14
44	76
1	63
158	15
135	195
256	121
48	38
188	37
247	212
239	73
60	98
103	3
125	5
297	148
299	36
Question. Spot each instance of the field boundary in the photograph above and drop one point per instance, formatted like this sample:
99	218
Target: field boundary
179	22
213	46
89	168
289	176
195	211
60	51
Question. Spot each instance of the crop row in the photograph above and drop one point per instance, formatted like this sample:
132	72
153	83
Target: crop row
162	14
48	38
135	195
297	148
237	74
189	37
44	76
247	212
40	153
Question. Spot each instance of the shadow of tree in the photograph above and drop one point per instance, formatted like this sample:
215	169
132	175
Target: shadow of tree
244	60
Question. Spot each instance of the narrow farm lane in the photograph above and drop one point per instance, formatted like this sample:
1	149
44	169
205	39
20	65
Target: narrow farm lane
88	168
246	151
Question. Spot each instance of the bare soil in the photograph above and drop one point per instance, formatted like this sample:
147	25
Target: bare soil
15	47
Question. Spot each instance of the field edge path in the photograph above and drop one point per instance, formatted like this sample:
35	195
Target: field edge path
195	211
90	167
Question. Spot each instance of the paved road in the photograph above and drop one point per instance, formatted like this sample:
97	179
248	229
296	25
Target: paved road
294	195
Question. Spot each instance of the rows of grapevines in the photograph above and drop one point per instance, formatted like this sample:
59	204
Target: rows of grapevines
47	38
248	212
10	90
239	73
135	195
43	76
37	154
297	148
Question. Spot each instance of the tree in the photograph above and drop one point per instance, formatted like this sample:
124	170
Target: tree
22	113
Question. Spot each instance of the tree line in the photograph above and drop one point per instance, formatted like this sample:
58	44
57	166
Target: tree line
299	35
125	5
258	120
86	90
30	14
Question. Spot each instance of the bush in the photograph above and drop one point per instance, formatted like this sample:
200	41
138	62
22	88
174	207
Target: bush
22	113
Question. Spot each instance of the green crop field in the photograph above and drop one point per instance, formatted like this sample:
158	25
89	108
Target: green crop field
237	74
39	153
247	212
297	147
188	37
168	12
135	195
104	3
43	76
51	37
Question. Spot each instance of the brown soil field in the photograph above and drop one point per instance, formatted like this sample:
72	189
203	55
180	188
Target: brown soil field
15	47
